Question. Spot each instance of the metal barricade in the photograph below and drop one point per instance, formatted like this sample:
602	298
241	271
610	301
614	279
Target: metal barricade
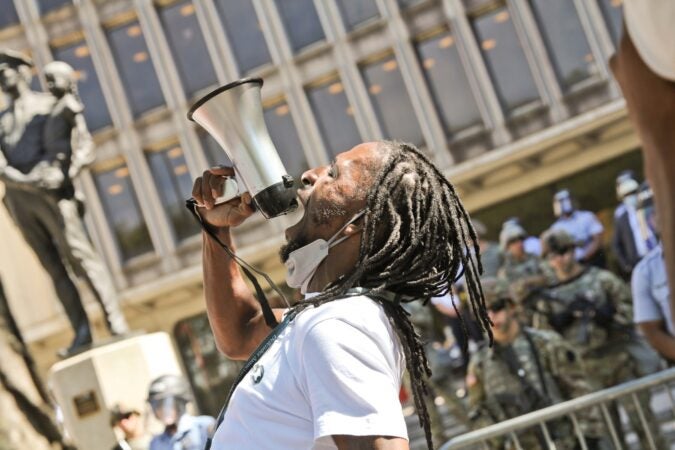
605	400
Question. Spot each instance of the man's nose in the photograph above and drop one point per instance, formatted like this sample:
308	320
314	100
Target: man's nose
309	177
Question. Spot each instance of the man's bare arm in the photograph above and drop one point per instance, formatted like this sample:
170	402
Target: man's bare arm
234	313
658	338
348	442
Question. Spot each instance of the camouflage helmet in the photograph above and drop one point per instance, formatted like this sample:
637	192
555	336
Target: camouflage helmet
556	241
495	291
510	232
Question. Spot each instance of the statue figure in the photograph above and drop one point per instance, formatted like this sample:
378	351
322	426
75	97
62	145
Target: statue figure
44	143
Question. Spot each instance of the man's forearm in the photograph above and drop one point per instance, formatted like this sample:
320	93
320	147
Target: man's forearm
662	342
234	313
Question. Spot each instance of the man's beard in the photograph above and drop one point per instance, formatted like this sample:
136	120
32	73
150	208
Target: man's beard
291	246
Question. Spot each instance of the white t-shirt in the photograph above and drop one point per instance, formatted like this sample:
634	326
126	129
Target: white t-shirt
335	369
650	25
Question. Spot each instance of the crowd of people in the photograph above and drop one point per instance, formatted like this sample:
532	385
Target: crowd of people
562	324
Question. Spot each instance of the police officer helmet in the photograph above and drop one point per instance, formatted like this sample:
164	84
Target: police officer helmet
557	242
624	175
496	294
168	386
562	203
627	187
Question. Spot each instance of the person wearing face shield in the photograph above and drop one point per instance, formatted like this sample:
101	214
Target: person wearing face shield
630	241
381	227
168	396
583	226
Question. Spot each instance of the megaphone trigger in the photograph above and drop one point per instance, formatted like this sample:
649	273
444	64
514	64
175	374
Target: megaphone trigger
230	191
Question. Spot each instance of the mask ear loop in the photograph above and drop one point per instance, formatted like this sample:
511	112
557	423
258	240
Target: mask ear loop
333	241
268	314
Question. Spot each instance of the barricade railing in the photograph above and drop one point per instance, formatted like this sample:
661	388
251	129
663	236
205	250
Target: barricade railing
604	400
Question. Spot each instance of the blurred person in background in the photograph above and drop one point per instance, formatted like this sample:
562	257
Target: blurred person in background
591	308
583	226
490	255
517	262
531	244
130	424
651	293
631	239
168	397
525	370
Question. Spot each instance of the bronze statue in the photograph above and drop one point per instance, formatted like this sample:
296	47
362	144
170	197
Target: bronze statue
44	143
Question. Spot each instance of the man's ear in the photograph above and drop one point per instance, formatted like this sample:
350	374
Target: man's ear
352	229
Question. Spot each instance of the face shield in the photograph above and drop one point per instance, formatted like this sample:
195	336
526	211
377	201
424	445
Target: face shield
562	205
168	410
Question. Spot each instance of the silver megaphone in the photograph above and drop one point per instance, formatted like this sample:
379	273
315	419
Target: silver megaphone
233	115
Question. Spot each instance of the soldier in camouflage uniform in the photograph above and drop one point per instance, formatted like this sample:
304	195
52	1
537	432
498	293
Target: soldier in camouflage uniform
592	309
525	370
516	262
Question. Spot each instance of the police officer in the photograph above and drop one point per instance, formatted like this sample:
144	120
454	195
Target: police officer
591	308
525	370
168	397
583	226
36	148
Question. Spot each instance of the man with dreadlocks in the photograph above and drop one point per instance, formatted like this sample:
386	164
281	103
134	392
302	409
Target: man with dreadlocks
383	226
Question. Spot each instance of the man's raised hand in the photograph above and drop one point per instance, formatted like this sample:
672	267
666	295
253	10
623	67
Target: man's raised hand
208	188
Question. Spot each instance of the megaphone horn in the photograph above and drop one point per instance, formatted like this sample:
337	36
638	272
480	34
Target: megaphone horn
233	116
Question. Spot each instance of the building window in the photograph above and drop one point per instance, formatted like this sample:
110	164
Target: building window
215	155
50	5
390	99
285	137
174	184
8	16
187	46
244	33
505	59
211	374
355	12
403	4
135	67
447	81
89	88
334	115
612	10
301	22
121	208
565	40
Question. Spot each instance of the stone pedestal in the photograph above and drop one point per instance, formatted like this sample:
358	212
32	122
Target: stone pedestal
87	385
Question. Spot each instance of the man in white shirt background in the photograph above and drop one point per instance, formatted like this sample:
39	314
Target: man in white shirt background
381	226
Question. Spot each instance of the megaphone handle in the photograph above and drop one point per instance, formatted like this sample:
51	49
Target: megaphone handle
230	191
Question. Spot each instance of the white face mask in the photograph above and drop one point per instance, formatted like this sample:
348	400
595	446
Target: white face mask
562	206
631	200
302	263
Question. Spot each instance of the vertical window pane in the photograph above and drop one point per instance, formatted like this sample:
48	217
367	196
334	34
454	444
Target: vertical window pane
121	208
391	101
8	16
174	185
448	82
95	108
48	5
301	22
613	12
334	116
243	33
135	68
355	12
565	39
187	46
505	59
403	4
285	137
215	155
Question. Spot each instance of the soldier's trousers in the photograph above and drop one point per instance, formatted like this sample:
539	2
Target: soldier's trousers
616	366
53	228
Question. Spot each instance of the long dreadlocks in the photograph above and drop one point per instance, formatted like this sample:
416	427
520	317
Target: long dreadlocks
417	239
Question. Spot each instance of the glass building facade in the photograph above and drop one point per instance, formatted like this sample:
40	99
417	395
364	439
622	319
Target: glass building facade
459	78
